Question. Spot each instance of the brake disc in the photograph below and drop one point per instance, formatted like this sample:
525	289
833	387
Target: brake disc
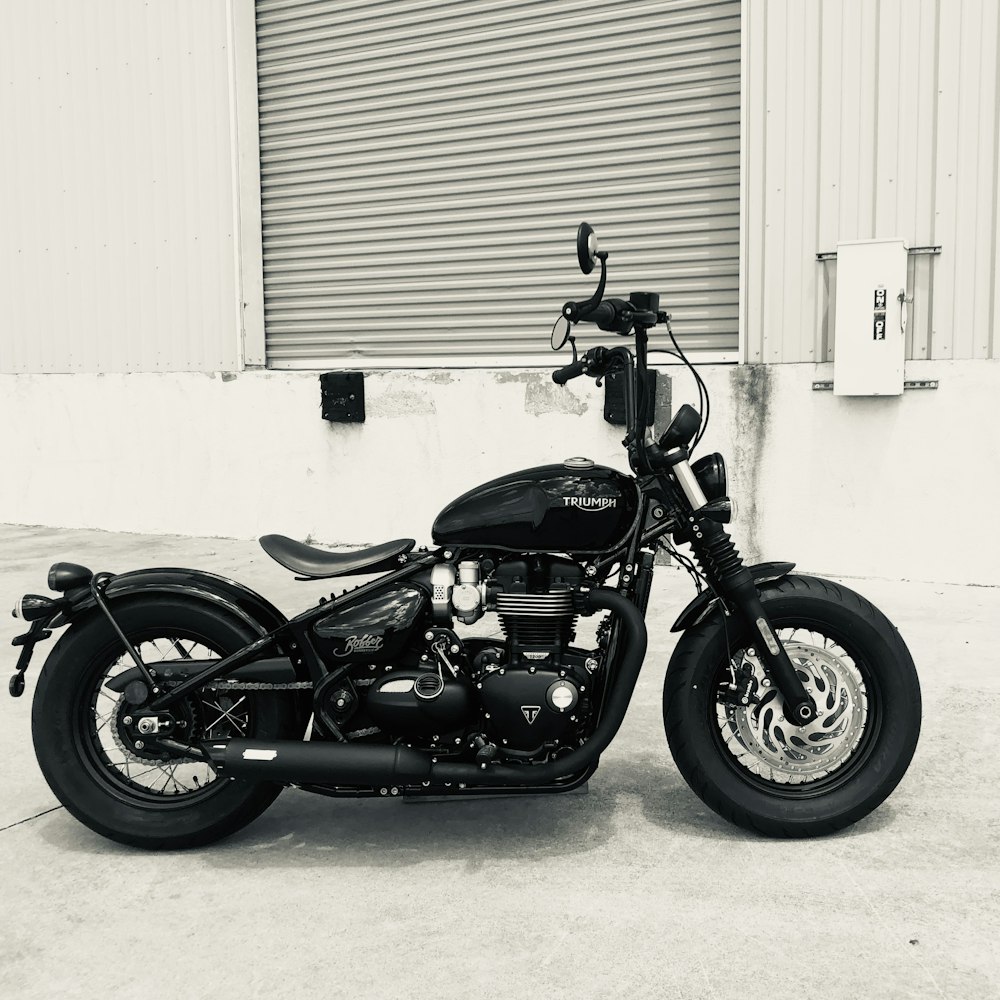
768	745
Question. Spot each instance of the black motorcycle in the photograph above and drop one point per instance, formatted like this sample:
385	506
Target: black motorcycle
177	703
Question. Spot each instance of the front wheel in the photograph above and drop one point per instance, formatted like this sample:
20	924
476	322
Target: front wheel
747	761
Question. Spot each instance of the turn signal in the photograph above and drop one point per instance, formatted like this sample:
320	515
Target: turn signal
33	606
722	510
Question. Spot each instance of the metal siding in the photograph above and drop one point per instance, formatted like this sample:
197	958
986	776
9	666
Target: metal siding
118	203
871	119
424	167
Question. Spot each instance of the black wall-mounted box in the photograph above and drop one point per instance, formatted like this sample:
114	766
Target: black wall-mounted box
614	398
343	397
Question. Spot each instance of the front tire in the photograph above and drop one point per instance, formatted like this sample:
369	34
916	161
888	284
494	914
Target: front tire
112	785
746	762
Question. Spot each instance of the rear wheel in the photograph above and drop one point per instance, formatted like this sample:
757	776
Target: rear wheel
105	773
747	761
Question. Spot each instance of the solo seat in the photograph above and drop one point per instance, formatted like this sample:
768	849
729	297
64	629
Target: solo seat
315	564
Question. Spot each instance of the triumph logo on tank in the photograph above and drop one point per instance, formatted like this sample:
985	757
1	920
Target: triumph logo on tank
361	644
591	503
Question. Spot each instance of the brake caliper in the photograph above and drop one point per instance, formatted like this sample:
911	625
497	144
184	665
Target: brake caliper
742	689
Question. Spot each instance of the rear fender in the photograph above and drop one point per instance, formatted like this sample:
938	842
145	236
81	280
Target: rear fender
703	602
240	601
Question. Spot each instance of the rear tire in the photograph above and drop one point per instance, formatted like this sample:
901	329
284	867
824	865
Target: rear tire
107	786
758	772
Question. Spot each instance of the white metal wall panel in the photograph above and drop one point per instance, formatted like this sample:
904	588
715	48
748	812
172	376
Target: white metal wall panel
869	120
424	166
116	187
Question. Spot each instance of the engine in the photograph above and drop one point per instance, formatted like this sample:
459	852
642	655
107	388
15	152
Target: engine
515	698
534	691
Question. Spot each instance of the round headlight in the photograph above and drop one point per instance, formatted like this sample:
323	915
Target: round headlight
711	473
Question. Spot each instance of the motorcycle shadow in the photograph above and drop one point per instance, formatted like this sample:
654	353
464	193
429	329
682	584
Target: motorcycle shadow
303	830
624	793
630	796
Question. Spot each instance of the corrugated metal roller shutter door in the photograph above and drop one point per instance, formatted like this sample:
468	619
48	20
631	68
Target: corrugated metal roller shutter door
424	165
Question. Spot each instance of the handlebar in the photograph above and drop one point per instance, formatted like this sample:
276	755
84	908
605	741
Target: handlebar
562	375
607	315
618	315
595	362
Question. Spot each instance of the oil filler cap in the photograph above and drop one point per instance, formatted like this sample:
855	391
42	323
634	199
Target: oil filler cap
579	463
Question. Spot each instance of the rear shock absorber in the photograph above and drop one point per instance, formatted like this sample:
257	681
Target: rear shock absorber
721	562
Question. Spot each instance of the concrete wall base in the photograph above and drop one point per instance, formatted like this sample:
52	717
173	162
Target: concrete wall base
887	487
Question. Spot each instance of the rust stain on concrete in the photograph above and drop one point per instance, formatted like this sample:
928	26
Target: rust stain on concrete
542	395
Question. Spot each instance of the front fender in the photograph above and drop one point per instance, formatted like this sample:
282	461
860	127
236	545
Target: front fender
700	606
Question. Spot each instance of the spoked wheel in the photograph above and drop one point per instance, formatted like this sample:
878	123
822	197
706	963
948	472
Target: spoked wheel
111	740
753	766
101	766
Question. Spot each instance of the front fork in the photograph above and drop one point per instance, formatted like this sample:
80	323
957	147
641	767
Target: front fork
732	580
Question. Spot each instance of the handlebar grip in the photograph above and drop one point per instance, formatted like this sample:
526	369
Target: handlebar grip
603	315
562	375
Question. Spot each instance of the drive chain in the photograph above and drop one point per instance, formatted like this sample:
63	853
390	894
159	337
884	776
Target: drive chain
212	686
258	686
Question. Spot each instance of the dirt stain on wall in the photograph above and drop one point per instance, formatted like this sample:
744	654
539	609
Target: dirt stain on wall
751	388
405	403
542	395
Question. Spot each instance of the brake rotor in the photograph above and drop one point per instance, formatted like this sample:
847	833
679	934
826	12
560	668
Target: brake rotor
768	745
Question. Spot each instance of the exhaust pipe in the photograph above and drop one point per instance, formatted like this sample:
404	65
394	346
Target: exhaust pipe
299	763
318	763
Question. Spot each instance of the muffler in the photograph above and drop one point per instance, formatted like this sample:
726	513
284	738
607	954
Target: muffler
318	763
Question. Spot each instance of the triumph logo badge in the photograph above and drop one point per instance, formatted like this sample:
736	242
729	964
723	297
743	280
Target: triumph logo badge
361	644
530	712
591	503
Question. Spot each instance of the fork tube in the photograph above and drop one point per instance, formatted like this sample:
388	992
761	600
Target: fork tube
719	556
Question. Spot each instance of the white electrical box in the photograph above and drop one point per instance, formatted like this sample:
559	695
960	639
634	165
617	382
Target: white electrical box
871	318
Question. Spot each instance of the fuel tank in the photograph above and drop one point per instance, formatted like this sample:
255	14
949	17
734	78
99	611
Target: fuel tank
555	508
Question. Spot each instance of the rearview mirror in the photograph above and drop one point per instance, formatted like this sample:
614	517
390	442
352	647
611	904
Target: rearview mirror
586	247
560	333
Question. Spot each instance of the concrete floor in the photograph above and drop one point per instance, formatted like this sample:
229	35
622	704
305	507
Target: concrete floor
633	890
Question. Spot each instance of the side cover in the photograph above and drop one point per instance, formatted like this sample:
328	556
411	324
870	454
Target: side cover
377	629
